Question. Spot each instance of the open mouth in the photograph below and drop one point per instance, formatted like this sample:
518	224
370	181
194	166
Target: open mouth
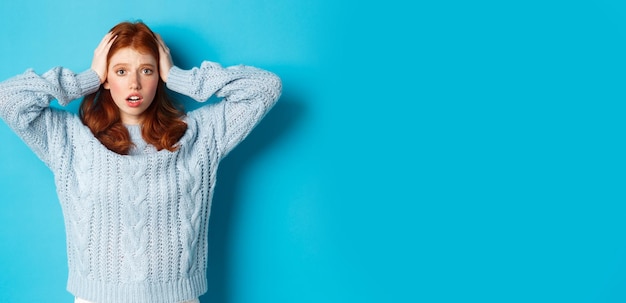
134	100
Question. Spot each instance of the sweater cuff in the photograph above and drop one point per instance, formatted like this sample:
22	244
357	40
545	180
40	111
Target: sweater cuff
179	80
88	81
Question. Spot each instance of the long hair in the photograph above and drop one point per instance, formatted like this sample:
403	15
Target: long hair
162	125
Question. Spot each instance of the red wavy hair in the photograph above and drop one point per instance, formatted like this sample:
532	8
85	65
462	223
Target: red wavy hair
162	125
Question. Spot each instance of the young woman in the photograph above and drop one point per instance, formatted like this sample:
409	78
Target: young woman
134	174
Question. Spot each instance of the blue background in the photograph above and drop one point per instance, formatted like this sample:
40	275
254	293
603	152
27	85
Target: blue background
440	151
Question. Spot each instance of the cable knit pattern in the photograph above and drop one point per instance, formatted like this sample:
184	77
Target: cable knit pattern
82	207
137	225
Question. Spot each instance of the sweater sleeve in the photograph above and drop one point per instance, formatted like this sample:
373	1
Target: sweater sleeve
248	94
25	105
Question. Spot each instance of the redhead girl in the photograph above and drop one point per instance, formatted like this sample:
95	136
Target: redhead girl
135	174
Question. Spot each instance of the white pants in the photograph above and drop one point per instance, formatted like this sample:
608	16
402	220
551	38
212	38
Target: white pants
79	300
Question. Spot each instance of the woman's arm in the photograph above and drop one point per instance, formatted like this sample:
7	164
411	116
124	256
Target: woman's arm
25	105
25	101
248	94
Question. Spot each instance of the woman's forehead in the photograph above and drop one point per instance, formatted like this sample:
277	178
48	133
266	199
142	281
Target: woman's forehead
128	55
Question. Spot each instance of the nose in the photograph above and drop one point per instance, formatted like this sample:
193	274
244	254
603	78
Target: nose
135	84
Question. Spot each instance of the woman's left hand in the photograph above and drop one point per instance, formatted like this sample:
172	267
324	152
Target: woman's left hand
165	60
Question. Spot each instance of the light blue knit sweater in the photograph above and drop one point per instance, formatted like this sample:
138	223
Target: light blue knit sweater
137	225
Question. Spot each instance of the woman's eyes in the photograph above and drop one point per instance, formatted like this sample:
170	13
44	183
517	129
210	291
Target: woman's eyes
145	71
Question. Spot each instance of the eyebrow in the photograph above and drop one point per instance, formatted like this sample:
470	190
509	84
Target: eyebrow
140	65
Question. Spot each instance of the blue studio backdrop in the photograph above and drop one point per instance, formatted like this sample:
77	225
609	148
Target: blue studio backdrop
422	151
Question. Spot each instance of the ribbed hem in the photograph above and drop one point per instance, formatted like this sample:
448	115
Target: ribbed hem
167	292
179	79
89	82
185	81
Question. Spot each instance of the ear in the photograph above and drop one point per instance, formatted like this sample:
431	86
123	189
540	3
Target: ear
106	85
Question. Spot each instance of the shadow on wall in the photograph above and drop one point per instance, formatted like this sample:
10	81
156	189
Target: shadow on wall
189	48
226	201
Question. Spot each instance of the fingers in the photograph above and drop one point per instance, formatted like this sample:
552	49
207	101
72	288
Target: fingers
106	43
106	40
99	62
165	61
161	43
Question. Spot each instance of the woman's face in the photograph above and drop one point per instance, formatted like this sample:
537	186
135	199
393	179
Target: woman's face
132	78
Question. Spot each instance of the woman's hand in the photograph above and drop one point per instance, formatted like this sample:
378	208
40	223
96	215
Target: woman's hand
165	59
99	62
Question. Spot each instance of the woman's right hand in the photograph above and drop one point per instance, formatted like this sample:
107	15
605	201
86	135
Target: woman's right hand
99	62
